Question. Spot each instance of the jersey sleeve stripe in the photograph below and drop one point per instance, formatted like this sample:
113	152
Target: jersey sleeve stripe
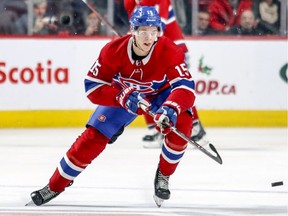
91	84
184	87
96	80
88	91
187	84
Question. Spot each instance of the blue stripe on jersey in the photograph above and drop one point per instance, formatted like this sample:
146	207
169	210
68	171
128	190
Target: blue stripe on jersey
90	84
171	14
67	169
170	155
184	82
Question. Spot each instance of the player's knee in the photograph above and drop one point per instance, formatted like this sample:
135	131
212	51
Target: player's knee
87	147
184	125
175	143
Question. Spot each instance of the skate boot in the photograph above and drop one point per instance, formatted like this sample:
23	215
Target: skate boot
161	188
199	134
153	140
44	195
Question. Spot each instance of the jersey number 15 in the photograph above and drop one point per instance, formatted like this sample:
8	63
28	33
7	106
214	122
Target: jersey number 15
182	70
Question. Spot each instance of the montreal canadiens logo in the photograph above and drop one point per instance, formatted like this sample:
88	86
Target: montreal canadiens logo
144	87
102	118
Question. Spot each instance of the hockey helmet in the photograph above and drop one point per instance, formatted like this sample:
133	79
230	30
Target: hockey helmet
145	16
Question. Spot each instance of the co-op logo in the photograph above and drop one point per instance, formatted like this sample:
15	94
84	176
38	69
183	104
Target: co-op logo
212	86
42	73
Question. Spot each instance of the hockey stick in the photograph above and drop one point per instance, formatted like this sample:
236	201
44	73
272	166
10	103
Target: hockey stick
217	158
102	18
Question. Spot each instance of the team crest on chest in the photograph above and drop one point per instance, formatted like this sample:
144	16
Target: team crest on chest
144	87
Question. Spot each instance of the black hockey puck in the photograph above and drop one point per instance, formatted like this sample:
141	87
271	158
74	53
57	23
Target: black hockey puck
65	20
273	184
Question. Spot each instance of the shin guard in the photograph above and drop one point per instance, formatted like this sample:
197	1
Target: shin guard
174	146
86	147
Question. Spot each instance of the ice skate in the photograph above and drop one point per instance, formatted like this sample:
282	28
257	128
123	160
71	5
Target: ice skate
44	195
199	134
153	140
161	188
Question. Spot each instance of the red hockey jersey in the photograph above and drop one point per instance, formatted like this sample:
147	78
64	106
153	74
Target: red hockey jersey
163	68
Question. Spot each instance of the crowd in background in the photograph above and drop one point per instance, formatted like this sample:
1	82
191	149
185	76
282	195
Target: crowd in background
234	17
73	17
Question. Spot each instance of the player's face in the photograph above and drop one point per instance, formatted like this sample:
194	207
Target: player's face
145	36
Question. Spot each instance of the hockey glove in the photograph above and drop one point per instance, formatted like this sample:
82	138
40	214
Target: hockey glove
164	117
129	98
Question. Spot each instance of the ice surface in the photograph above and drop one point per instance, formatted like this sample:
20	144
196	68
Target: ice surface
120	181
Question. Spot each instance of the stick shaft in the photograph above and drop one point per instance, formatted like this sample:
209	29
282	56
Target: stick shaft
216	158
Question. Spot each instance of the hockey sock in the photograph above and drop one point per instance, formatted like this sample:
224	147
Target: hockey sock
169	159
86	147
174	147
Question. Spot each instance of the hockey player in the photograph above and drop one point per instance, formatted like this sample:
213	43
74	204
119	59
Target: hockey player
172	30
140	68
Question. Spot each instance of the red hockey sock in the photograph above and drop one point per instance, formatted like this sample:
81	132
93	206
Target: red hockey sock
86	147
174	147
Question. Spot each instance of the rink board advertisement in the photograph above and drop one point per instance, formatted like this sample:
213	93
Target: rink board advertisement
47	76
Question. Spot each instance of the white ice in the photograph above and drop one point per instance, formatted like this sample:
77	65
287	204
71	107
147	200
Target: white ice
120	181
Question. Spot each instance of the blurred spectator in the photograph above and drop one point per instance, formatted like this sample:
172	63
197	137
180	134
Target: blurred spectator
66	23
93	25
80	12
119	17
204	24
247	25
10	11
269	16
242	6
76	10
51	17
221	15
42	24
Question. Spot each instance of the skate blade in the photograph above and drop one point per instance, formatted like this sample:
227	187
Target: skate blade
158	201
31	203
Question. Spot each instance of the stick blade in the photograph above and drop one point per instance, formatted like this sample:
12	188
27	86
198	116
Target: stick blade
218	159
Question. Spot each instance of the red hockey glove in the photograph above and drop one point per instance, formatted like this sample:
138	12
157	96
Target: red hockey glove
129	98
164	117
